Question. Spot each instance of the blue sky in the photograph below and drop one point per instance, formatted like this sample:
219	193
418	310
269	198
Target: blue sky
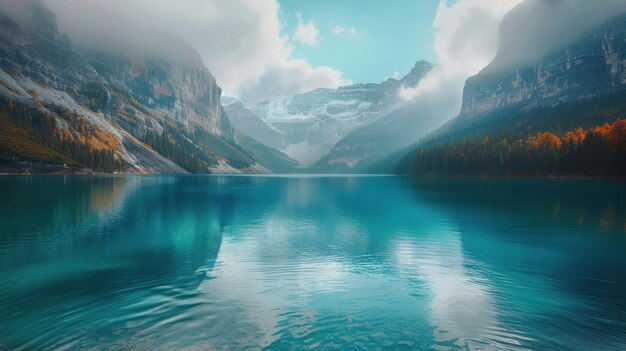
388	36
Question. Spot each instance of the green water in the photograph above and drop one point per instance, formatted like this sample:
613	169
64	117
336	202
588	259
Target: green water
293	263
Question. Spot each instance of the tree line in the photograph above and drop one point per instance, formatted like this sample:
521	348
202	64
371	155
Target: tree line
598	151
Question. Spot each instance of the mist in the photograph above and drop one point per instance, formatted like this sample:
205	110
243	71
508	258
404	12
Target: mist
536	28
239	41
476	35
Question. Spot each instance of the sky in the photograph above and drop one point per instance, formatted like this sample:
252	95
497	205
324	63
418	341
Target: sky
269	49
262	49
367	40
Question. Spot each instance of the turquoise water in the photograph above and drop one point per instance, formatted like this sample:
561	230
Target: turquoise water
293	263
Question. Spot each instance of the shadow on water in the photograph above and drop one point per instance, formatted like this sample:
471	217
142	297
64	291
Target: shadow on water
69	244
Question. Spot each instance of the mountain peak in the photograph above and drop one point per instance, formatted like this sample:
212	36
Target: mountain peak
417	72
423	64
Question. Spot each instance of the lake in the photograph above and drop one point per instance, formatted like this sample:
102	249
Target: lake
311	262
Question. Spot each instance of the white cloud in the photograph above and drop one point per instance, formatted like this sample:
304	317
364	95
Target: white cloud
240	41
289	77
338	29
351	31
466	40
538	27
306	34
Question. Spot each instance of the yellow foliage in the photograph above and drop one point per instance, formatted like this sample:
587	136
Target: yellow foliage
17	140
545	140
575	137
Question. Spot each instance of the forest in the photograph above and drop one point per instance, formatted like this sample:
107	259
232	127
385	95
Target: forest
29	134
598	151
196	151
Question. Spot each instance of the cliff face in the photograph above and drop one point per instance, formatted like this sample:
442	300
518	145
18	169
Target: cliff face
250	124
578	83
157	112
184	91
592	66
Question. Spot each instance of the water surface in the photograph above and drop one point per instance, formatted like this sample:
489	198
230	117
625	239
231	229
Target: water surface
293	263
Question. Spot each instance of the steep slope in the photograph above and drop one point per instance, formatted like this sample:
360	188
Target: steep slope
258	137
272	159
593	66
250	124
154	113
581	85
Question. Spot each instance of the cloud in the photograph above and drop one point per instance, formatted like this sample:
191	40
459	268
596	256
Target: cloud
240	41
351	31
306	34
466	40
290	77
537	27
471	35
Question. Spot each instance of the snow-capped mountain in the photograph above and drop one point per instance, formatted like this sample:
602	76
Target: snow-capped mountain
307	126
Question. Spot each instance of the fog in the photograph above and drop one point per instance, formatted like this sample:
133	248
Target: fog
240	41
536	28
472	35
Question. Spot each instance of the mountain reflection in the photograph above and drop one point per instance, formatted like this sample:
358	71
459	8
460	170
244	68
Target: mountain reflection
229	262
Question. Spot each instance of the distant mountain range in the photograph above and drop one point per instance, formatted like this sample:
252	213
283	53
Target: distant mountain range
313	128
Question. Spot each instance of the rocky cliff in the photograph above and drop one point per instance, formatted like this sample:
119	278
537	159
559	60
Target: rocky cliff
575	85
153	112
593	66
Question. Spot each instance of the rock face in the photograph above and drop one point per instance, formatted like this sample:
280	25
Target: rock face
579	84
591	67
157	113
309	125
184	90
250	124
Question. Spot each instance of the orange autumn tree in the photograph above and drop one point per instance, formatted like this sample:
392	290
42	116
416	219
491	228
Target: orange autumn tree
616	136
596	151
575	137
545	141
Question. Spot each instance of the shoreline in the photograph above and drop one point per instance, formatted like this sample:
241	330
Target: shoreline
86	172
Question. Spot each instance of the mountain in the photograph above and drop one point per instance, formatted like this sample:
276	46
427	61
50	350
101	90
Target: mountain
254	134
306	127
132	109
250	124
537	109
377	147
593	66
